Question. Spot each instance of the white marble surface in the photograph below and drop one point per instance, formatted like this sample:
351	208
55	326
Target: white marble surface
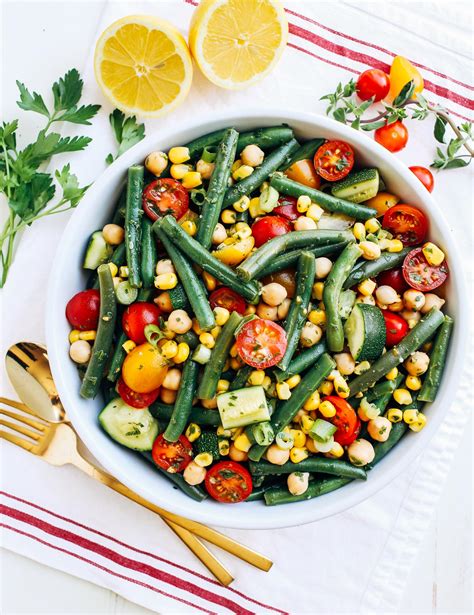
441	579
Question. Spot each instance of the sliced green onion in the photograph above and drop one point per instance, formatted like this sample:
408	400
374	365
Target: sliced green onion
202	354
284	440
153	334
261	433
322	431
209	153
324	447
198	196
125	293
269	199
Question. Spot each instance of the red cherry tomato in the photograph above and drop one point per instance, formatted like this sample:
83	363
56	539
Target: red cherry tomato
227	298
82	311
134	399
228	482
425	176
287	208
420	275
261	343
172	456
165	196
396	328
393	278
373	83
268	227
393	136
334	160
346	420
136	317
407	223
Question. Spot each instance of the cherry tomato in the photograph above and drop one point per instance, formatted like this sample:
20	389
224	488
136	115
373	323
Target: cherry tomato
268	227
82	311
165	196
420	275
393	278
285	277
373	83
136	317
334	160
227	298
286	208
144	368
228	482
261	343
134	399
303	172
393	136
172	456
425	176
346	420
396	328
407	223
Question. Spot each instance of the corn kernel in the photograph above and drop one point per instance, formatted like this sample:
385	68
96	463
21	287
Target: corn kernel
420	423
166	281
88	336
242	172
367	287
306	423
336	451
242	204
372	225
236	431
210	281
410	416
178	171
74	336
207	340
299	438
228	216
193	432
327	409
298	454
283	390
222	432
370	250
242	443
402	397
392	374
169	349
315	212
237	164
359	231
293	381
128	346
250	309
223	385
224	447
192	179
116	281
236	363
318	291
113	269
203	459
255	208
123	271
182	353
433	254
177	155
394	245
313	401
317	317
256	377
341	386
221	315
361	367
189	227
303	203
326	388
395	415
215	331
413	383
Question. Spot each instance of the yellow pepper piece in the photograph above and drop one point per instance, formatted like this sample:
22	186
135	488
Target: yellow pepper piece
401	72
236	252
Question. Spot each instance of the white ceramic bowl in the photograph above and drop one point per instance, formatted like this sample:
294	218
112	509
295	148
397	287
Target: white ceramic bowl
67	278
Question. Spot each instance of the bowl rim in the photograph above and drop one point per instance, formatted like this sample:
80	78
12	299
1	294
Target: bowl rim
339	500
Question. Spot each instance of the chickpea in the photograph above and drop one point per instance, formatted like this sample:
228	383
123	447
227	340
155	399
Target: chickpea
274	294
205	168
156	162
431	301
411	317
361	452
345	363
417	363
179	322
220	234
395	307
252	155
237	455
283	309
164	265
113	234
310	335
323	267
387	295
172	379
298	482
413	299
369	300
167	396
210	404
194	474
277	456
303	223
80	352
163	301
379	428
370	250
267	311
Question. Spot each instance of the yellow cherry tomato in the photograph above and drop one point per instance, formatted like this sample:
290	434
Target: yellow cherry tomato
401	72
304	172
381	202
144	368
234	252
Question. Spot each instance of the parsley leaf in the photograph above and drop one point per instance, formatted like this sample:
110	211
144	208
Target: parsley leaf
127	132
70	185
31	102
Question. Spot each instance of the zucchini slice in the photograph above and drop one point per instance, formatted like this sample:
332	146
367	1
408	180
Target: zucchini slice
98	251
358	186
131	427
365	332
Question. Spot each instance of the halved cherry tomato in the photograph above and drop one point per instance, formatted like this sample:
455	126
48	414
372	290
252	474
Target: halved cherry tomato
227	298
407	223
393	278
334	160
144	368
285	277
396	328
286	208
134	399
303	172
261	343
392	136
136	317
165	196
172	456
425	176
228	482
420	275
373	83
346	420
268	227
82	311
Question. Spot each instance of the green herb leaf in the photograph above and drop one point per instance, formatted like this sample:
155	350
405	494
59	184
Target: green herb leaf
32	197
67	90
440	129
70	185
127	132
373	125
31	102
82	115
405	94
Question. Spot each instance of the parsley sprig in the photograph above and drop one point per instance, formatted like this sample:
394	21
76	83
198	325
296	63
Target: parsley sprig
28	189
127	132
346	108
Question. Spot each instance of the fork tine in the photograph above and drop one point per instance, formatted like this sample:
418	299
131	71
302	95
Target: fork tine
28	446
18	405
23	419
20	429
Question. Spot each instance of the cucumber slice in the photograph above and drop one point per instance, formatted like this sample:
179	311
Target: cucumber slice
358	186
98	251
346	302
243	407
131	427
179	299
365	332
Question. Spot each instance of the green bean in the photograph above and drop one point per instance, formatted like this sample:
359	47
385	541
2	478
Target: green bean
396	355
299	306
382	401
149	254
219	181
312	464
326	201
133	214
304	152
190	338
371	269
304	359
184	401
198	415
190	281
281	495
270	164
105	333
241	378
380	390
213	369
432	377
259	260
331	293
200	256
288	259
193	491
